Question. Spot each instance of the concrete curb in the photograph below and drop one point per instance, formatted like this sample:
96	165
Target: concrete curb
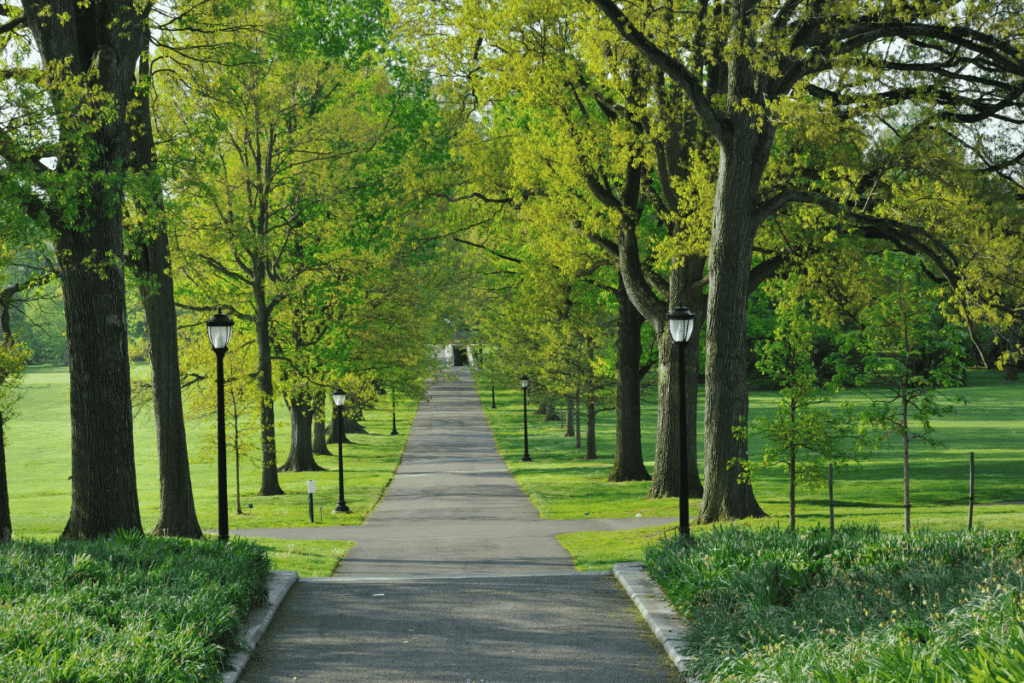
660	615
277	587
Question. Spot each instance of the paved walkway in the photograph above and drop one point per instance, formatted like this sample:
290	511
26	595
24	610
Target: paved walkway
454	577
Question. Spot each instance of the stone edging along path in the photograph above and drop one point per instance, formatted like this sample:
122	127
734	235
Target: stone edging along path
277	587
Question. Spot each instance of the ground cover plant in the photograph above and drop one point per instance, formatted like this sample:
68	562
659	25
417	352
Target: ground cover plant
129	607
858	605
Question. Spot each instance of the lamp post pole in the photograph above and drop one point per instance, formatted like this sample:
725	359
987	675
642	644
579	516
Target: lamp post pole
219	330
338	396
394	423
525	382
680	324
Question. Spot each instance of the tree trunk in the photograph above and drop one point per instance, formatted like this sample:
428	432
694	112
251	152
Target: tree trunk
177	515
629	455
5	501
351	427
569	426
665	482
104	495
683	283
270	485
320	438
99	43
319	427
591	432
576	404
729	260
300	457
551	412
5	318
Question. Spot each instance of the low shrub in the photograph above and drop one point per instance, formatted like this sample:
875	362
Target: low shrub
857	605
127	608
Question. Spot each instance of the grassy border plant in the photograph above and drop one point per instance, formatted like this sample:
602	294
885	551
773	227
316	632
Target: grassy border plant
128	607
857	605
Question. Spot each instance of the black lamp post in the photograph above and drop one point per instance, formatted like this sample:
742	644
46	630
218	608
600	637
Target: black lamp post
525	382
219	329
338	396
394	423
680	326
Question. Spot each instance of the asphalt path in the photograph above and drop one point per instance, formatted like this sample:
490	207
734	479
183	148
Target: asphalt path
454	577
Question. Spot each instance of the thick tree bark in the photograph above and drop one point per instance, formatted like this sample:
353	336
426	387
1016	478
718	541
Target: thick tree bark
351	427
681	288
319	427
591	432
570	429
100	43
104	494
5	314
730	256
177	515
270	485
576	403
300	457
629	455
320	437
665	483
5	501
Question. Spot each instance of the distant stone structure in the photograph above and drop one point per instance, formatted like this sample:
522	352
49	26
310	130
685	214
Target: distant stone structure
460	351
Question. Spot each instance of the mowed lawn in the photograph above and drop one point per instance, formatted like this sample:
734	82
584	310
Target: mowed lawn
39	467
868	492
559	481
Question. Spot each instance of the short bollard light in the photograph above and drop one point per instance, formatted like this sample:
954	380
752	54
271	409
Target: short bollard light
338	396
218	328
311	488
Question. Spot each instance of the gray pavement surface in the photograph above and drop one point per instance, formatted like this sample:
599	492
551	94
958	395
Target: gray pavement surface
454	577
556	628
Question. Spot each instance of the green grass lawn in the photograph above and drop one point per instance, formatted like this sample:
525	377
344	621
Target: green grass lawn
991	424
559	481
39	464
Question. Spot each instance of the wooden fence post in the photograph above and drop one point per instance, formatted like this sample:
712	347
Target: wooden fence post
831	503
970	504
